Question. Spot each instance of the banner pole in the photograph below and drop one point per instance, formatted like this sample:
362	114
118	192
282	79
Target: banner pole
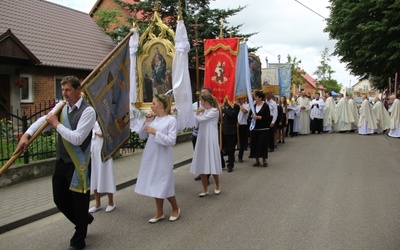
105	60
83	83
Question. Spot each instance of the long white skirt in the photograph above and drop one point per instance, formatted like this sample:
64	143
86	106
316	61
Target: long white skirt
395	132
364	130
102	176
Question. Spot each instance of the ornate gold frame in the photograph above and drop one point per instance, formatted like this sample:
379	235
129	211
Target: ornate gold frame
257	59
157	35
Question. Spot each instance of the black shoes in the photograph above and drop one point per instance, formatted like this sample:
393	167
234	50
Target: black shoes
229	170
240	160
91	219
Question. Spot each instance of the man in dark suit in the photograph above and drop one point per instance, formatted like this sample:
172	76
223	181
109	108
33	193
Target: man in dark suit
229	131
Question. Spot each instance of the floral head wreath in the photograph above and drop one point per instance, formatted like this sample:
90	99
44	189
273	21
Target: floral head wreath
208	98
162	98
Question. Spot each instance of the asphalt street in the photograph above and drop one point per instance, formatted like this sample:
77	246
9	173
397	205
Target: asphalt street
329	191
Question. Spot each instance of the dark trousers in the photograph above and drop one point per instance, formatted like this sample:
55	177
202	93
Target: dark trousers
271	137
316	125
73	205
230	145
243	137
290	127
194	139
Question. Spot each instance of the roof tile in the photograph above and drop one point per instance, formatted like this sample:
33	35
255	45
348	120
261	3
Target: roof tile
58	36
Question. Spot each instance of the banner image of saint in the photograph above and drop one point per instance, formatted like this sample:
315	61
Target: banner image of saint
108	93
255	71
157	72
220	67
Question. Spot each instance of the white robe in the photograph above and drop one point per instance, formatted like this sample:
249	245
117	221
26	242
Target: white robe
354	111
395	119
304	115
382	117
207	156
317	112
294	114
102	174
367	123
156	178
344	116
330	116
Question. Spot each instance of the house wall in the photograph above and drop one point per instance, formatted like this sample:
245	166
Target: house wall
43	85
358	89
310	90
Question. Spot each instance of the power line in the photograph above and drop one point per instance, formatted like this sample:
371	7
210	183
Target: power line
261	47
310	9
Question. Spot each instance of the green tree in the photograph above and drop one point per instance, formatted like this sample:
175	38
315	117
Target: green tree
324	73
105	17
297	72
367	34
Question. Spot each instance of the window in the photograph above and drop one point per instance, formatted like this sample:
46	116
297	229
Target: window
365	87
26	90
57	87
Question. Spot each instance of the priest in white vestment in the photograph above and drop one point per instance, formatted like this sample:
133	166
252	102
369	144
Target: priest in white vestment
330	116
367	123
381	115
354	111
293	112
317	114
394	117
304	104
344	116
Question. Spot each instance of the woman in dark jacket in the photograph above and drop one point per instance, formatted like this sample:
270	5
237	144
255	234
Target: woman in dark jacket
259	135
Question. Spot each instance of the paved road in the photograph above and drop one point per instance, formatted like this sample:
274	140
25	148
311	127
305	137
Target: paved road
330	191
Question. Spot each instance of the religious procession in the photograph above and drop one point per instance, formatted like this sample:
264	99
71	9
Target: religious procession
143	85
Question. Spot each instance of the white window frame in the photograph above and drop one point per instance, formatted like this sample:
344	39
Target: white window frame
31	95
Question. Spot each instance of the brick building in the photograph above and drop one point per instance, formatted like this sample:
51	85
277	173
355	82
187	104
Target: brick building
36	51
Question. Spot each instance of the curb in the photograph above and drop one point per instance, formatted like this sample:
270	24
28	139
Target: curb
22	222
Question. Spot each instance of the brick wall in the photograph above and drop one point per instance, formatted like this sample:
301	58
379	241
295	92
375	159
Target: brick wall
44	85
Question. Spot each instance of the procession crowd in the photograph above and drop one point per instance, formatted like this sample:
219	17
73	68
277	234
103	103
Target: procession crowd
219	131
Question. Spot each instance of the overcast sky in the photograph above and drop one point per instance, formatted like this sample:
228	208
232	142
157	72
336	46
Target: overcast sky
284	27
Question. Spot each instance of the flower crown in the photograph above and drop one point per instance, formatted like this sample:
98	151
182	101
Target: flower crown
163	99
207	97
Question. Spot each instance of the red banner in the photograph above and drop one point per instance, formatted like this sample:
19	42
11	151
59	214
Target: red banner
220	60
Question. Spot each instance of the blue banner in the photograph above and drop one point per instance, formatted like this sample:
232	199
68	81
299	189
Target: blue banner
240	79
285	79
108	92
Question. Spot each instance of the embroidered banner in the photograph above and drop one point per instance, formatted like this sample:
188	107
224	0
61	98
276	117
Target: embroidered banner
220	67
108	92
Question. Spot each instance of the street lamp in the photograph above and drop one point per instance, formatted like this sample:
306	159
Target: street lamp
266	60
279	59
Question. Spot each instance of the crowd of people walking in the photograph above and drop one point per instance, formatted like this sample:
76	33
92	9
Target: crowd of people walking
220	130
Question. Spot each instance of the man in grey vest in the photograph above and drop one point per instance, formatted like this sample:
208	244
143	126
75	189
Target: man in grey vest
74	125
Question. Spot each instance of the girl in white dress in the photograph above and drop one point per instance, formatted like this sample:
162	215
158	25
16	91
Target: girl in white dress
156	177
206	157
102	176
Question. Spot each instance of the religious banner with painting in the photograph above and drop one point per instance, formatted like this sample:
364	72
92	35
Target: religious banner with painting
108	92
270	81
220	67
